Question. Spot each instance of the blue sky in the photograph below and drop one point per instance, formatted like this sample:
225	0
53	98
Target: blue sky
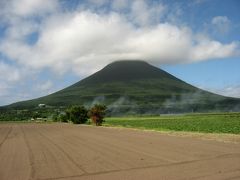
45	47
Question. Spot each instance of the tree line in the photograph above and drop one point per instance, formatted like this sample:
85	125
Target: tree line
75	114
80	115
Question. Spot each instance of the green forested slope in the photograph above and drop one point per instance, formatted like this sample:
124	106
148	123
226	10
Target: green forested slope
135	87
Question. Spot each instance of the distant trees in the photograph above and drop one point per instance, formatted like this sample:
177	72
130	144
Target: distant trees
80	115
15	115
97	113
26	114
75	114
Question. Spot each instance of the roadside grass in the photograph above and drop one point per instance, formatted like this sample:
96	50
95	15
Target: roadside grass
202	123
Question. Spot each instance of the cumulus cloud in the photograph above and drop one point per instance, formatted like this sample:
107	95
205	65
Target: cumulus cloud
24	8
210	49
120	4
98	2
143	14
18	83
10	78
221	24
85	39
8	73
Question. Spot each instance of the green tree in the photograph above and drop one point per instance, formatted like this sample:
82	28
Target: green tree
77	114
35	115
97	114
63	118
55	117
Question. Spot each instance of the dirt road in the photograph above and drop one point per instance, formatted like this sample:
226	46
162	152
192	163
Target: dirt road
73	152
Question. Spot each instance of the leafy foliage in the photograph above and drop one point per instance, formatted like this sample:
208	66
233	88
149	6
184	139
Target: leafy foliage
77	114
63	118
26	114
97	113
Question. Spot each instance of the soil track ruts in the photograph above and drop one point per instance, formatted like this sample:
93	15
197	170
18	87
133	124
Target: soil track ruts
4	134
72	152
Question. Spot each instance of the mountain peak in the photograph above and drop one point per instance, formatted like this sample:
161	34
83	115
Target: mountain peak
126	70
138	87
128	62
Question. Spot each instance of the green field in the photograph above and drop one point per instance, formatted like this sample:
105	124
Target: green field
206	123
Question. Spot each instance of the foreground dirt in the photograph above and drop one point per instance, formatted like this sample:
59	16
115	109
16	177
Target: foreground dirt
65	151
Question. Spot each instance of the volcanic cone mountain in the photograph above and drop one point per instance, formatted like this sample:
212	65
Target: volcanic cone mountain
136	87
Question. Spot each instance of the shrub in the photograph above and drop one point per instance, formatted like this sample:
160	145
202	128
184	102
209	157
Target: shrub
97	113
77	114
63	118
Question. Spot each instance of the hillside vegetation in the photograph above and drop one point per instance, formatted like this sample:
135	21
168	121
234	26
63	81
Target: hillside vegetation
135	87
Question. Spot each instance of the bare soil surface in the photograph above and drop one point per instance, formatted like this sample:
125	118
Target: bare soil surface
75	152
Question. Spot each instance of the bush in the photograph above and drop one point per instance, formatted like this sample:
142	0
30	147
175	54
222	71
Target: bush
77	114
97	113
63	118
55	117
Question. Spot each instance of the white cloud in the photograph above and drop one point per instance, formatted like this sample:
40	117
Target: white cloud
4	89
18	8
120	4
46	86
210	49
14	83
9	73
229	90
10	77
145	14
85	41
11	97
220	20
98	2
221	24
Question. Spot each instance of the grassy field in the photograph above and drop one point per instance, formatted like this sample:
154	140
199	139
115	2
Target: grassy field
207	123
